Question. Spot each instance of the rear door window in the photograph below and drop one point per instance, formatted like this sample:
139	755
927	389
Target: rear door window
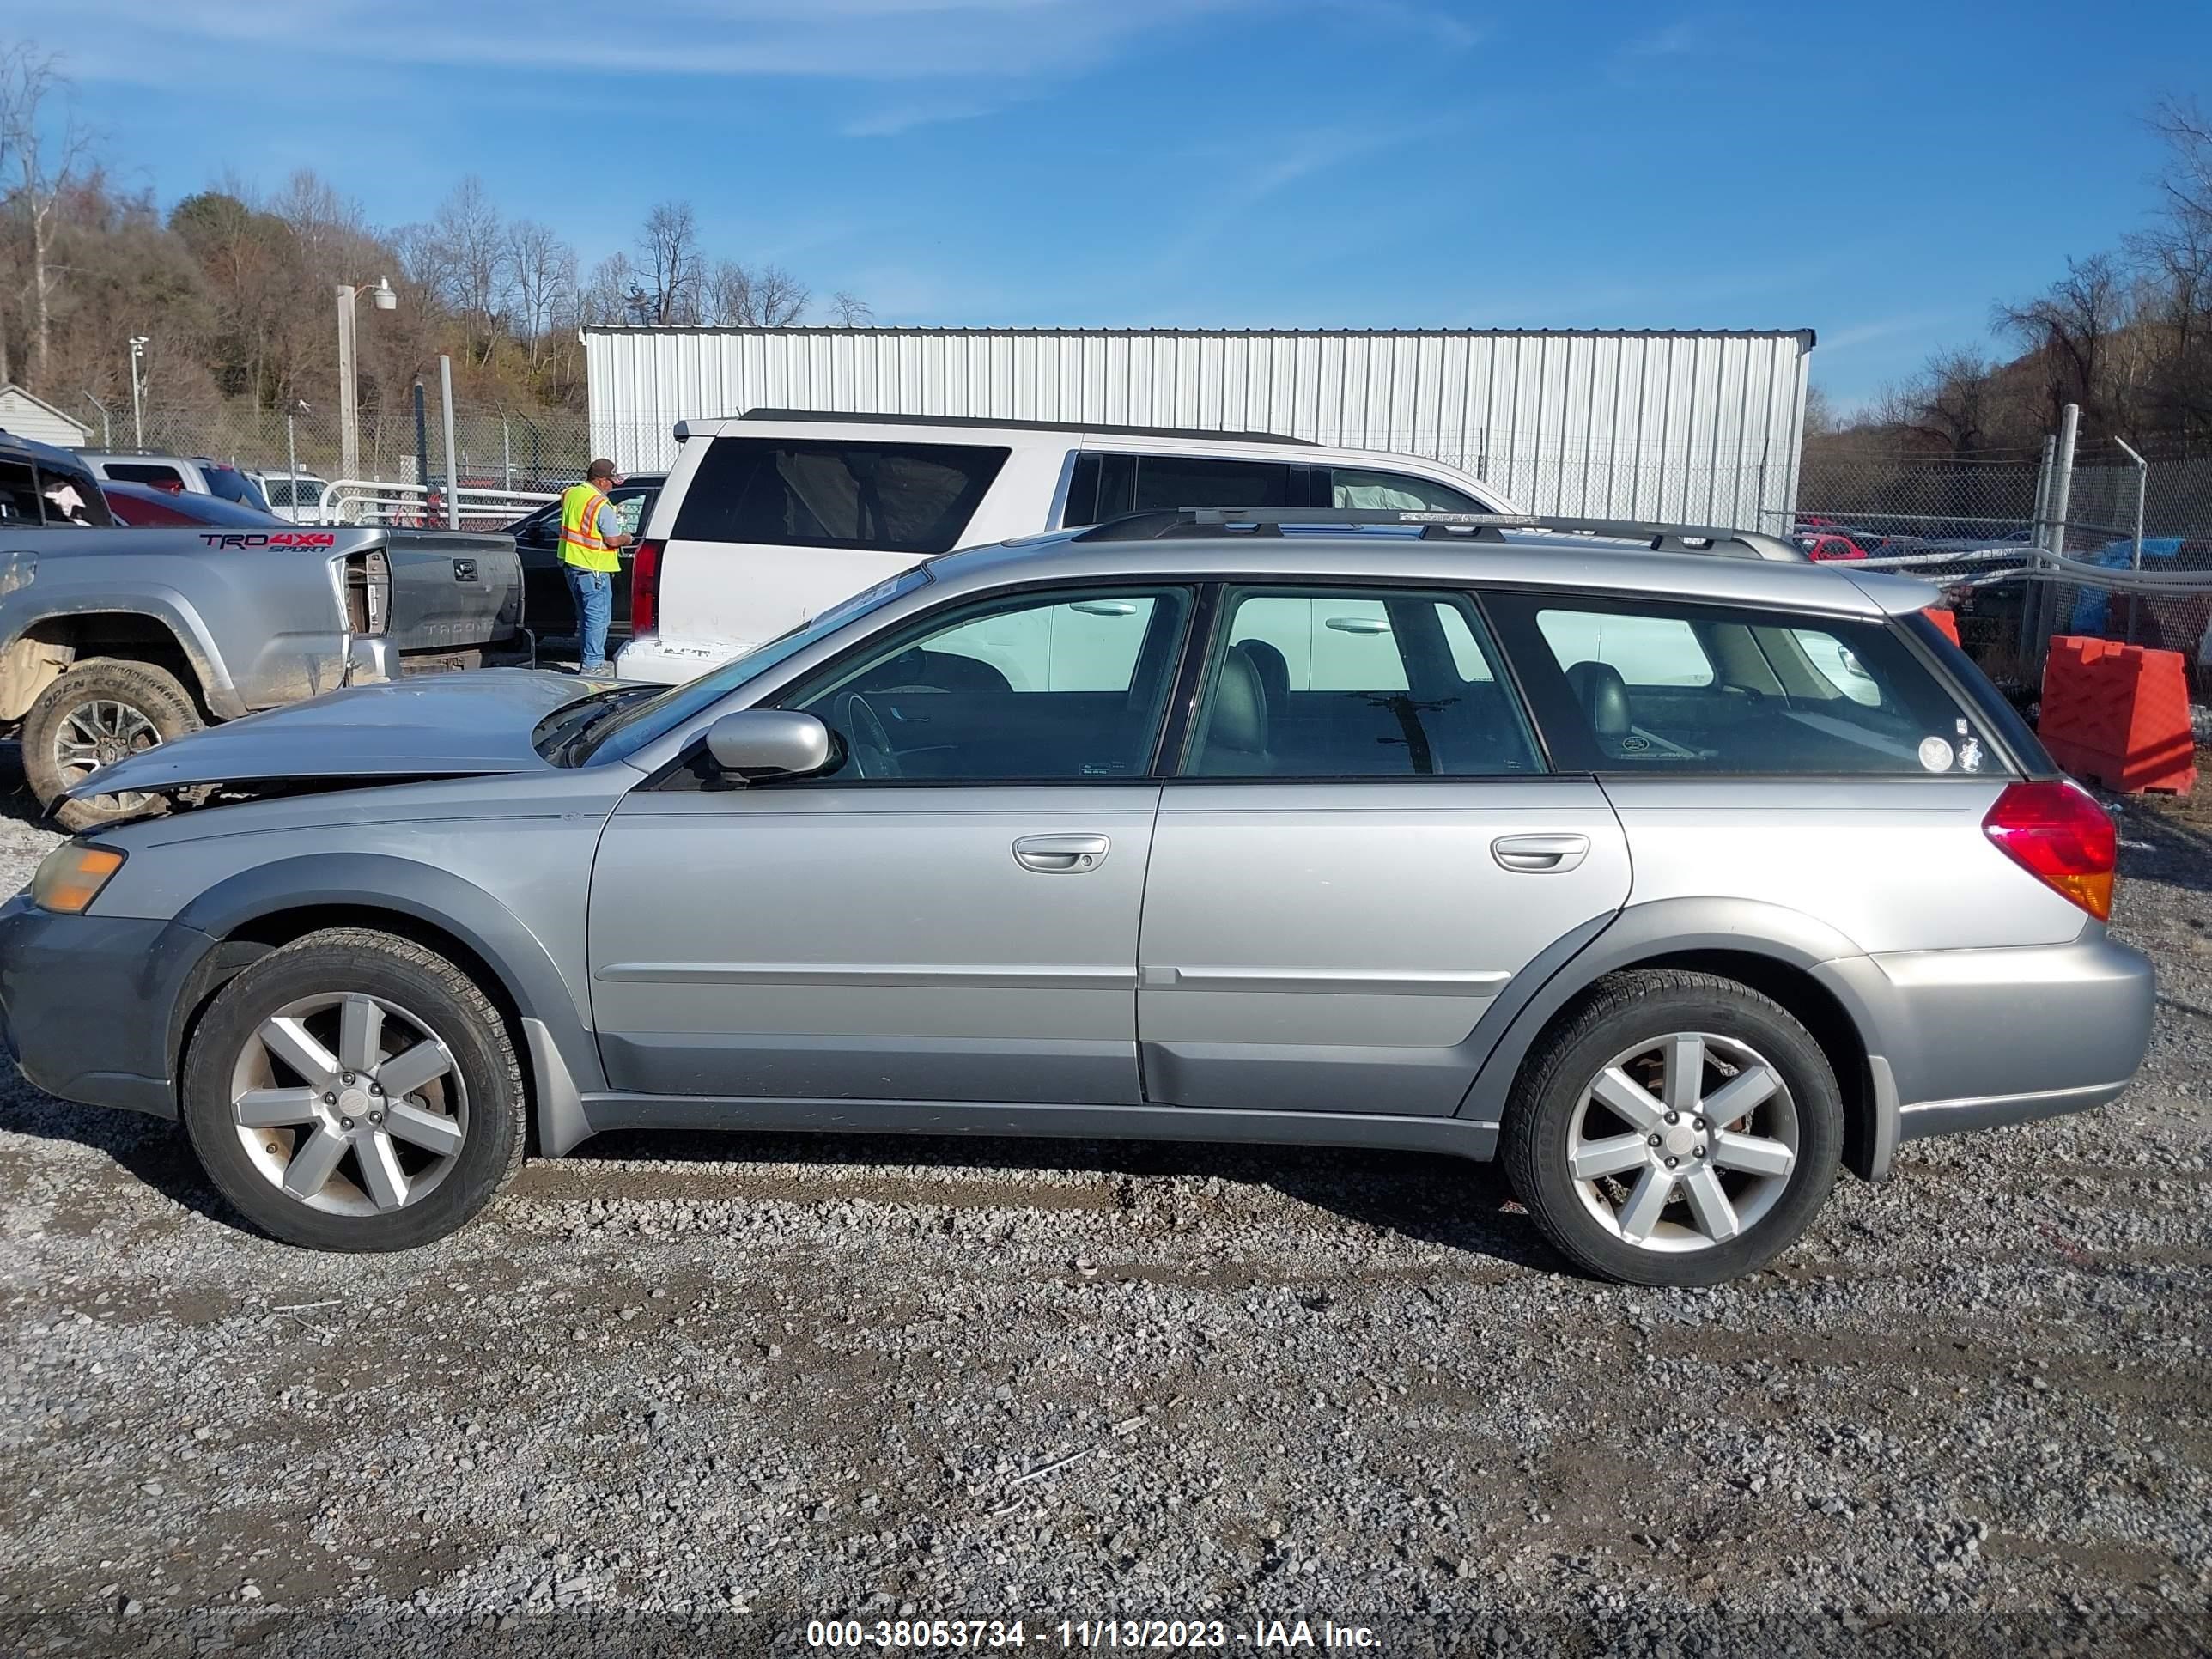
1356	684
900	498
1104	485
1622	685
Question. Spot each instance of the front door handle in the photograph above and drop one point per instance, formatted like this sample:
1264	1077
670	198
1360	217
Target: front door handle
1539	854
1054	855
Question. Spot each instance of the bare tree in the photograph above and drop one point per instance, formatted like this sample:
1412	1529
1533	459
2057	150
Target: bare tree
2174	256
2071	325
541	268
745	296
474	248
605	295
49	162
669	261
1953	401
327	226
850	310
2187	180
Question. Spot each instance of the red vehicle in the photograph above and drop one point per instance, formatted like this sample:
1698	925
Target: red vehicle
157	505
1826	544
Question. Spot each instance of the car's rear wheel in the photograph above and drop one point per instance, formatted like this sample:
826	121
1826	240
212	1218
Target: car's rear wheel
102	711
355	1090
1674	1128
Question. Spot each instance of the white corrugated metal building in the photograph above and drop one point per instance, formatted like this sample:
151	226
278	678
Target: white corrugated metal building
1689	426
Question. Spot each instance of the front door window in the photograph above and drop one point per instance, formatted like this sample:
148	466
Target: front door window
1070	686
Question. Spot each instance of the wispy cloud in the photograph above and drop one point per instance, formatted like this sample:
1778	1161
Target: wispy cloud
1447	28
848	39
889	120
1676	40
1884	328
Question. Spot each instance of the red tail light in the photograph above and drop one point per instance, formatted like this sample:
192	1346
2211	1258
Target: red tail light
2056	833
645	590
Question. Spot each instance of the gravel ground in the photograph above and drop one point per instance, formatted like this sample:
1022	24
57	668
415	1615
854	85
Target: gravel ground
685	1393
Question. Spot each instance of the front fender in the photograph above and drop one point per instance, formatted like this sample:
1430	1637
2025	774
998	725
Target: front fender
21	612
367	882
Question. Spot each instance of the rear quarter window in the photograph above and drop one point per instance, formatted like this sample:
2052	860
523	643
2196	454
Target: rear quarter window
146	472
1627	686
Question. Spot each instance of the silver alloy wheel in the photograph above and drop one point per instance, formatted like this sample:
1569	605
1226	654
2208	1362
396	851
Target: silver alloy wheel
350	1103
1683	1142
99	731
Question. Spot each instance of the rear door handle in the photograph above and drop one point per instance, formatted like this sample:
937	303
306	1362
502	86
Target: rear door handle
1054	855
1539	854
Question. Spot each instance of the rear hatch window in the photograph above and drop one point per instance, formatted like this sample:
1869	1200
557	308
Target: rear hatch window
1634	686
233	485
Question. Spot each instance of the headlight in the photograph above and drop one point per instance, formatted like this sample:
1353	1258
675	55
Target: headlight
71	877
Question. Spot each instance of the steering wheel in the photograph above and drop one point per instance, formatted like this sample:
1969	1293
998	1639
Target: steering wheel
866	741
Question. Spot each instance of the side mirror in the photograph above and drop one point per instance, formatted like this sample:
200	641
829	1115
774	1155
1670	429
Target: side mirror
768	743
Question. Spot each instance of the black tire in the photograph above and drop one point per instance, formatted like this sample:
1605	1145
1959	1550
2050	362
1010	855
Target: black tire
1620	1011
154	695
449	1005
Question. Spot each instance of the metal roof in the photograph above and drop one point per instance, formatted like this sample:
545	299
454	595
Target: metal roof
1809	336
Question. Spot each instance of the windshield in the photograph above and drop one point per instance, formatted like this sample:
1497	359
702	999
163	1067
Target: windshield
633	726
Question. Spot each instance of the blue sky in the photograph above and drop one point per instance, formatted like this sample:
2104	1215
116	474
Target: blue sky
1879	173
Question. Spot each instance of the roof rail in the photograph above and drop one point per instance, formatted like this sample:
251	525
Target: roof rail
851	417
1171	523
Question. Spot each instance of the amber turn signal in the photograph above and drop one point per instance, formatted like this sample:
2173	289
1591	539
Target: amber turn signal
71	877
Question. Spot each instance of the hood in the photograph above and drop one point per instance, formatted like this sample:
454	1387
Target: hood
440	725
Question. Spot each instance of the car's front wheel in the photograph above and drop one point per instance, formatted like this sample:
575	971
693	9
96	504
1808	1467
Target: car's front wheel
1675	1128
355	1090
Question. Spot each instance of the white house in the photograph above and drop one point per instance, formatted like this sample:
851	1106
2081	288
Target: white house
34	417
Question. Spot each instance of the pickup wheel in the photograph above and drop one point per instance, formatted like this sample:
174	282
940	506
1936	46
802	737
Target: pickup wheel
101	711
1676	1128
355	1090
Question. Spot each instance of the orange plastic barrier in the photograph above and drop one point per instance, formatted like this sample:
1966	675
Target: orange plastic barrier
2119	714
1945	620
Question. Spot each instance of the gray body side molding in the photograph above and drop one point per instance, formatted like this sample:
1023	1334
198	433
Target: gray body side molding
1454	1137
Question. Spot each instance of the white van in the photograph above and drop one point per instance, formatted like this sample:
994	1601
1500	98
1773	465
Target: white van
770	518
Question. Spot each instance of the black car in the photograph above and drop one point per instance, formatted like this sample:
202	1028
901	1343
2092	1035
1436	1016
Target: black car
550	612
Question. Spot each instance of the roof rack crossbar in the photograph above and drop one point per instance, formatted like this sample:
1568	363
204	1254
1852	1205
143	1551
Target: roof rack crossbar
1720	540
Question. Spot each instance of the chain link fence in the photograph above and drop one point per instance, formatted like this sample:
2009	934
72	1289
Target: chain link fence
1974	526
508	449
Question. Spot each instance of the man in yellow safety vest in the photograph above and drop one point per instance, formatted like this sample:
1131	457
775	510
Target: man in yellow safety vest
591	530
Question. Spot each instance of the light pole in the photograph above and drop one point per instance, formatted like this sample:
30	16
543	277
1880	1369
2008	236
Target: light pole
138	345
349	411
292	458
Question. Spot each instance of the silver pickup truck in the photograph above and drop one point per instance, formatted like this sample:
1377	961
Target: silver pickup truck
113	639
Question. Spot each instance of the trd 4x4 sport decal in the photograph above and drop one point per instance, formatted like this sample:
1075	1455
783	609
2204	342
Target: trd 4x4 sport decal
280	538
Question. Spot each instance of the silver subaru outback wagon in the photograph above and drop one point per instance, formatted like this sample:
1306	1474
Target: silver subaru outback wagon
1677	882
